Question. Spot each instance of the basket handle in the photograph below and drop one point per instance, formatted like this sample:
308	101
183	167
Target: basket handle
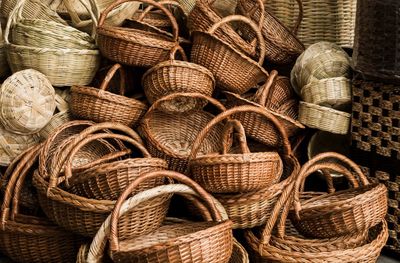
244	19
181	52
230	127
110	74
175	29
262	93
206	197
13	18
92	9
296	26
149	8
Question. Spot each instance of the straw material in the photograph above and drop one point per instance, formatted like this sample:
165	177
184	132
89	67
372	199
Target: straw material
232	70
56	121
63	97
324	118
323	20
135	47
222	7
175	76
27	102
332	92
100	105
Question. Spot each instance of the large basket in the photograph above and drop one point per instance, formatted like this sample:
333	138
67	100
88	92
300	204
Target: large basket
175	76
26	237
281	44
28	102
170	135
233	172
135	47
100	105
323	20
233	70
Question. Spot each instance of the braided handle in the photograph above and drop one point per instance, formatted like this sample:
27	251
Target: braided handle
110	74
230	127
263	92
181	52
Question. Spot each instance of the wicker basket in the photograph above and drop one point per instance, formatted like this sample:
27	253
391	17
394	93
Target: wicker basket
232	70
56	121
100	105
233	173
4	69
170	136
323	20
28	102
26	237
174	76
135	47
281	44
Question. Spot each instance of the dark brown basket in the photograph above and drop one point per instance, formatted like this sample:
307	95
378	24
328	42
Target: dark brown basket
376	118
377	39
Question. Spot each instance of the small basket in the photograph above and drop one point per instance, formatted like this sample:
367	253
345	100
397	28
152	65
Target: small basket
56	121
28	102
174	76
332	92
100	105
233	70
281	43
170	136
324	118
135	47
233	173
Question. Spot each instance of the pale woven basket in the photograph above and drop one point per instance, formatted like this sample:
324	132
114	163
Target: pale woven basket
323	20
56	121
324	118
27	101
223	7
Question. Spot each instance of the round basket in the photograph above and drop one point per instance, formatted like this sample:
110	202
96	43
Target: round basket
332	92
174	76
56	121
135	47
27	102
232	70
233	173
170	136
324	118
281	43
100	105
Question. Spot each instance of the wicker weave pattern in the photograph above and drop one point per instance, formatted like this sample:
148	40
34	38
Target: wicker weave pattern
57	120
3	59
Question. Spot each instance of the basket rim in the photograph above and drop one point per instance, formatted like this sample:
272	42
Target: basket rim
55	51
246	158
305	107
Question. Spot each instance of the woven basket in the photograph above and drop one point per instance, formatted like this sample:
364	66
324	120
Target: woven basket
174	76
28	102
323	20
28	238
4	69
56	121
333	92
63	67
232	70
281	44
256	126
324	118
170	136
100	105
233	173
320	61
135	47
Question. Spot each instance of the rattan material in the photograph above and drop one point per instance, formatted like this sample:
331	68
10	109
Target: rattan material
281	44
135	47
233	173
376	118
323	20
319	61
175	76
332	92
170	135
26	237
233	70
56	121
100	105
27	102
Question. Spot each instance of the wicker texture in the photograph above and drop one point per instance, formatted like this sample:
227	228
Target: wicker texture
233	70
376	118
100	105
174	76
170	136
135	47
233	173
27	102
324	118
281	44
323	20
56	121
4	69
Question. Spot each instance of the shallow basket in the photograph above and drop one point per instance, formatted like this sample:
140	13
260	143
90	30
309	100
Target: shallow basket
28	102
100	105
